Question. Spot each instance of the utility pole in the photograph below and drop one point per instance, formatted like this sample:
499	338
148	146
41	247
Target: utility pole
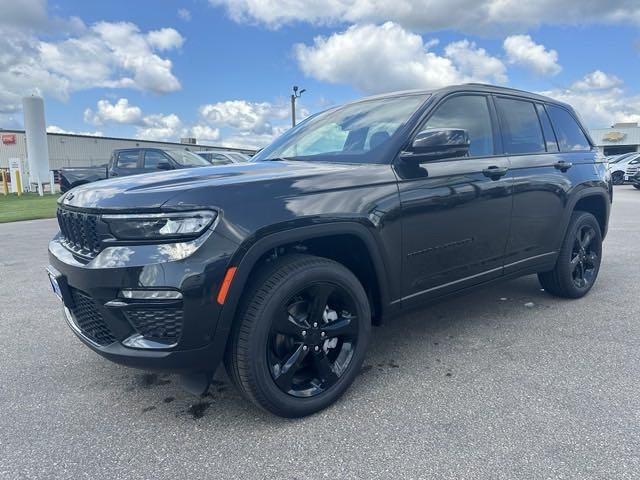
294	96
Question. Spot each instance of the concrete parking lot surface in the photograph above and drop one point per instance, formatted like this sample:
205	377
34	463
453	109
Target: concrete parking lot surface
507	382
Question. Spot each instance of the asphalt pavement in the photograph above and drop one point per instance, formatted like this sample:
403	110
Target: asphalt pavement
507	382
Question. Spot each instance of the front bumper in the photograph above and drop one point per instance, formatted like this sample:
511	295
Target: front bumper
172	335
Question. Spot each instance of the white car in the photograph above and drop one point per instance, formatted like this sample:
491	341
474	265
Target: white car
618	167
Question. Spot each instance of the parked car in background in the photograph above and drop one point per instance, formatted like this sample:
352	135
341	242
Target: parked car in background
633	167
73	176
223	158
131	161
618	166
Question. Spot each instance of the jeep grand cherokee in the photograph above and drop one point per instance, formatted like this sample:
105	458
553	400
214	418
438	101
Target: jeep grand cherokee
279	267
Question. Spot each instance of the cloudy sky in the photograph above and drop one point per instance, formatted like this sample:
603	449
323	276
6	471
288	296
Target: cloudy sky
222	70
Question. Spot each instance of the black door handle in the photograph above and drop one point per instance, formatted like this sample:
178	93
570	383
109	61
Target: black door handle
494	173
563	166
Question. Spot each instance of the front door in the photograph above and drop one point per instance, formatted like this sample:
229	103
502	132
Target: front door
456	212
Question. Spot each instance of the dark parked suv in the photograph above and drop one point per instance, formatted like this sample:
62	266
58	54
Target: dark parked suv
280	266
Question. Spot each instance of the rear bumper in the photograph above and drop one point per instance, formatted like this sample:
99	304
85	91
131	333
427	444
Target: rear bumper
175	335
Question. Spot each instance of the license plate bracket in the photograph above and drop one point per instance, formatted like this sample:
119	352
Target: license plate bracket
59	286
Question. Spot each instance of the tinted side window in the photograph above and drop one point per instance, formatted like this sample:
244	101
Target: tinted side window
152	158
521	129
570	135
549	135
468	112
128	159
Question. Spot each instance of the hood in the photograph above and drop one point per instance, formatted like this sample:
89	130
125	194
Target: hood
151	191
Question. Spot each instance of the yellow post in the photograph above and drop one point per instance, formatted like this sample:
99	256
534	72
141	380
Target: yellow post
16	172
5	187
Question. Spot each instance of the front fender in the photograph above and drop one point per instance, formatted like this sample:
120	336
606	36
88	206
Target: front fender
246	258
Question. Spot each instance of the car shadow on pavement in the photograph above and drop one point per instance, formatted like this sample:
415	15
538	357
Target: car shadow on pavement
419	337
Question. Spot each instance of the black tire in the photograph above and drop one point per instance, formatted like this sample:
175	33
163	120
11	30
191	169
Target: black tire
279	287
636	185
579	259
617	178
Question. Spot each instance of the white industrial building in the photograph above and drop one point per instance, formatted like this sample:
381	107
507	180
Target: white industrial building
618	139
68	150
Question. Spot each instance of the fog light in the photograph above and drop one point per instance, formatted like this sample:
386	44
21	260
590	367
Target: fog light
151	294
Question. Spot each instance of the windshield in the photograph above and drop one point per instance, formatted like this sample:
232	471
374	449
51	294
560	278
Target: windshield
345	134
187	159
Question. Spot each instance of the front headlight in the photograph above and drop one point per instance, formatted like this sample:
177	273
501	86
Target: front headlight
159	226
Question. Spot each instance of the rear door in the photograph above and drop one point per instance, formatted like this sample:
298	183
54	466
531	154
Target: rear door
455	212
126	162
542	179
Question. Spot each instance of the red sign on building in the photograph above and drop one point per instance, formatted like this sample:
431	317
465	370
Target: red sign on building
9	138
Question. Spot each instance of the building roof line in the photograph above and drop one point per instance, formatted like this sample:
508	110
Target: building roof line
191	145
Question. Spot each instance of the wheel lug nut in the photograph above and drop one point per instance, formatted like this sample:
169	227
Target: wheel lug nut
305	348
322	334
315	324
304	333
317	348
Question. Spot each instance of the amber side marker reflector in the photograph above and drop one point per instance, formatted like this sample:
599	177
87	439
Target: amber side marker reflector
226	283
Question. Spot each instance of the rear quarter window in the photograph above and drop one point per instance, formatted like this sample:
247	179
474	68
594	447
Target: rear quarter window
570	135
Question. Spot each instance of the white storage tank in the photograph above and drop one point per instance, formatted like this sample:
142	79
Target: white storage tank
37	147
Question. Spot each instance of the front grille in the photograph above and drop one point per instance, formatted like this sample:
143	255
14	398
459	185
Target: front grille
157	324
89	319
79	231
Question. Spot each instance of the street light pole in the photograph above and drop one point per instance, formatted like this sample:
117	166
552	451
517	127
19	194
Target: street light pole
294	96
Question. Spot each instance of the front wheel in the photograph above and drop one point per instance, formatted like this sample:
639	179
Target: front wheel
579	259
636	185
301	336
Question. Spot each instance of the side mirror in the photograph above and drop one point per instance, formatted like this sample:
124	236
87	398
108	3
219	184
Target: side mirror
164	166
441	143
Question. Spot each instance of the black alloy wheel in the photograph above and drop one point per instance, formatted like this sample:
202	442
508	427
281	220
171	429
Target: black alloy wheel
579	259
585	256
300	336
311	344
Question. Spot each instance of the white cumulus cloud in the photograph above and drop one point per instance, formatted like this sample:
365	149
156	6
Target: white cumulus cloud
56	129
105	55
597	80
461	15
379	58
254	117
522	50
119	112
601	100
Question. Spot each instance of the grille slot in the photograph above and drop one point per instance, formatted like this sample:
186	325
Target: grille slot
157	324
79	231
89	319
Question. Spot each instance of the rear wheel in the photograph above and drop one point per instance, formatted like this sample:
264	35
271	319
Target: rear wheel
636	185
579	259
301	336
